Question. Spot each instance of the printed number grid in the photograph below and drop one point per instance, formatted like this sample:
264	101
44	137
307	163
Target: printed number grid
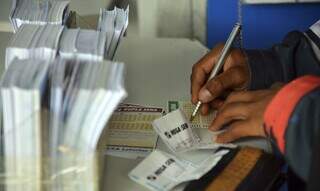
132	129
199	121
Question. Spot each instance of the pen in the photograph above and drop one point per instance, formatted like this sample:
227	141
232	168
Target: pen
235	31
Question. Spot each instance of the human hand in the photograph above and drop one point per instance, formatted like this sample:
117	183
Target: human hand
243	112
235	75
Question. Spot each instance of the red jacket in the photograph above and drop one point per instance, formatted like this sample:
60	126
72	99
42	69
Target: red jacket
293	117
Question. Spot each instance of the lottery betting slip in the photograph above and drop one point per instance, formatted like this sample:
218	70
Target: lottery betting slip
187	107
179	135
162	171
192	153
129	132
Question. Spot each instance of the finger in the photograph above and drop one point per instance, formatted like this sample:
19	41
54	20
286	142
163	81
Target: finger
235	131
230	112
229	79
202	69
204	109
198	78
216	103
244	96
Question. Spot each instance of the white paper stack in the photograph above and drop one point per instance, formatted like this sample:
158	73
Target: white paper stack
58	94
21	92
34	41
114	23
55	150
83	44
83	98
39	12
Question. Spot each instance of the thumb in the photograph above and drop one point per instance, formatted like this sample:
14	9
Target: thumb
229	79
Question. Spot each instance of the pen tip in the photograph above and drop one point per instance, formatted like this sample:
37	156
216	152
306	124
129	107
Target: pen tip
191	118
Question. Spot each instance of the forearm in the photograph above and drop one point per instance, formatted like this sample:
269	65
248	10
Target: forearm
264	68
293	58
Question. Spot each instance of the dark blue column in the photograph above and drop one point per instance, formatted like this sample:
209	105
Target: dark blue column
264	25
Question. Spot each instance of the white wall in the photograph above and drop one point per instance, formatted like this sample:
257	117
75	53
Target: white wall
168	18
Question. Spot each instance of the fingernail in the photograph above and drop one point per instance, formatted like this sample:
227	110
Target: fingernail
212	128
205	96
213	125
214	139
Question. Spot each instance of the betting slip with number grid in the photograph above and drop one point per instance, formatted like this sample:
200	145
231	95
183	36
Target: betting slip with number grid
187	107
199	126
162	171
176	132
130	133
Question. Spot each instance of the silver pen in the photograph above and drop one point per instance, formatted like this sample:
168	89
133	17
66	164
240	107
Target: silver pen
235	31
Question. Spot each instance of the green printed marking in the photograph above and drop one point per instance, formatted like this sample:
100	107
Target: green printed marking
173	105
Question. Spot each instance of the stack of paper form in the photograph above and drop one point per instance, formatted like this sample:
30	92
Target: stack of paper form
54	115
58	95
84	96
42	39
114	23
34	41
21	92
38	12
83	44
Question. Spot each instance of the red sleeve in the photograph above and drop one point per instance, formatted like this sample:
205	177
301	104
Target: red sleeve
279	110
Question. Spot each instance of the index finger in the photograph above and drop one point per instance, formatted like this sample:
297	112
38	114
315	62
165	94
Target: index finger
201	70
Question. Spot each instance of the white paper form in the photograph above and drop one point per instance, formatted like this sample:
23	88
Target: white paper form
177	133
130	133
175	130
162	171
187	107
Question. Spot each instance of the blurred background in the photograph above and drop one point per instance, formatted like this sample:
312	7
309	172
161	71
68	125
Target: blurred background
208	21
157	18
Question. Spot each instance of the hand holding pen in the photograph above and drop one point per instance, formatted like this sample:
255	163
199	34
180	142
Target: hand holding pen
206	82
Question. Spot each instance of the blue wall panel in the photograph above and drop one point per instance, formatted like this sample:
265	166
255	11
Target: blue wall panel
263	25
